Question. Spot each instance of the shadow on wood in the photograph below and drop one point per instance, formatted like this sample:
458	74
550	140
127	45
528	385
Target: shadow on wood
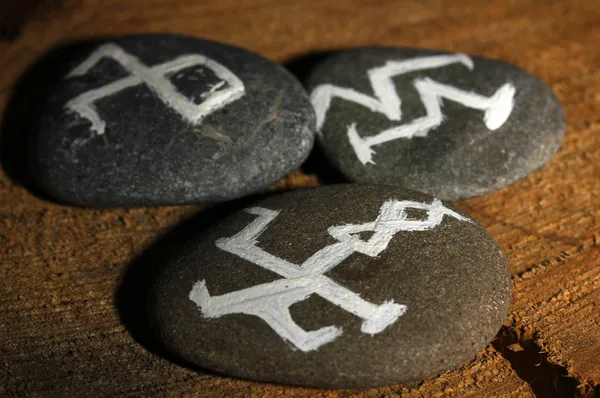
530	362
131	295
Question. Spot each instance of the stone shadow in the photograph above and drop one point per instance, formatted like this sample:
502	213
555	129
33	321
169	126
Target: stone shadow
131	295
22	115
317	163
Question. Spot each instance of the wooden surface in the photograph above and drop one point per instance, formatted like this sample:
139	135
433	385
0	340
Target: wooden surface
62	311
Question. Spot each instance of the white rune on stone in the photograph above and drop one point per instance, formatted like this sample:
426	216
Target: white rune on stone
386	101
155	77
271	301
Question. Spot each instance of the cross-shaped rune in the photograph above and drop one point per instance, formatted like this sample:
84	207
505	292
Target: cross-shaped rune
271	301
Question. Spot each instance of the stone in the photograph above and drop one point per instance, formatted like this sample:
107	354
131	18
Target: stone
340	286
451	125
167	119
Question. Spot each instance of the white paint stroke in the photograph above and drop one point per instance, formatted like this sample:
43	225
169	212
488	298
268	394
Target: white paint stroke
155	78
271	301
386	101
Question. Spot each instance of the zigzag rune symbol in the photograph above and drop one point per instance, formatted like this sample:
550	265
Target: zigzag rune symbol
497	108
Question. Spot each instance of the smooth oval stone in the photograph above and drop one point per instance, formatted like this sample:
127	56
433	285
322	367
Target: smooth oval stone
165	119
451	125
337	286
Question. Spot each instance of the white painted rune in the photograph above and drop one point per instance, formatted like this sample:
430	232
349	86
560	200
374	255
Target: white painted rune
271	301
155	77
497	108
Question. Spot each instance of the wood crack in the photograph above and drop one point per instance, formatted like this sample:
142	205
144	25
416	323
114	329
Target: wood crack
529	360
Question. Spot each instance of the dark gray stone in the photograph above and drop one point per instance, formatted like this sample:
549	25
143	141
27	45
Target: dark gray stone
471	148
451	281
155	139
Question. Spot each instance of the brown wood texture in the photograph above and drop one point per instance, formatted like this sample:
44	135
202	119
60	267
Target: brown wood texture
62	332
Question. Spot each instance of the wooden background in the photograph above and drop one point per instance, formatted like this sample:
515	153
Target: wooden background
62	325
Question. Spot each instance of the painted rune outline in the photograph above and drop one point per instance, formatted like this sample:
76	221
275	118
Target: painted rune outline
497	108
271	301
155	78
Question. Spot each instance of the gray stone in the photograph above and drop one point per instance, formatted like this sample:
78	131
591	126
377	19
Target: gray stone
450	125
166	119
336	286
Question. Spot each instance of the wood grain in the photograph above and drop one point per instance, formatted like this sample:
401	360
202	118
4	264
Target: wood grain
62	331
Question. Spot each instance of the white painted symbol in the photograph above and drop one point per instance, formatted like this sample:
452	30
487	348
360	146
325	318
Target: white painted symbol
271	301
155	78
497	108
